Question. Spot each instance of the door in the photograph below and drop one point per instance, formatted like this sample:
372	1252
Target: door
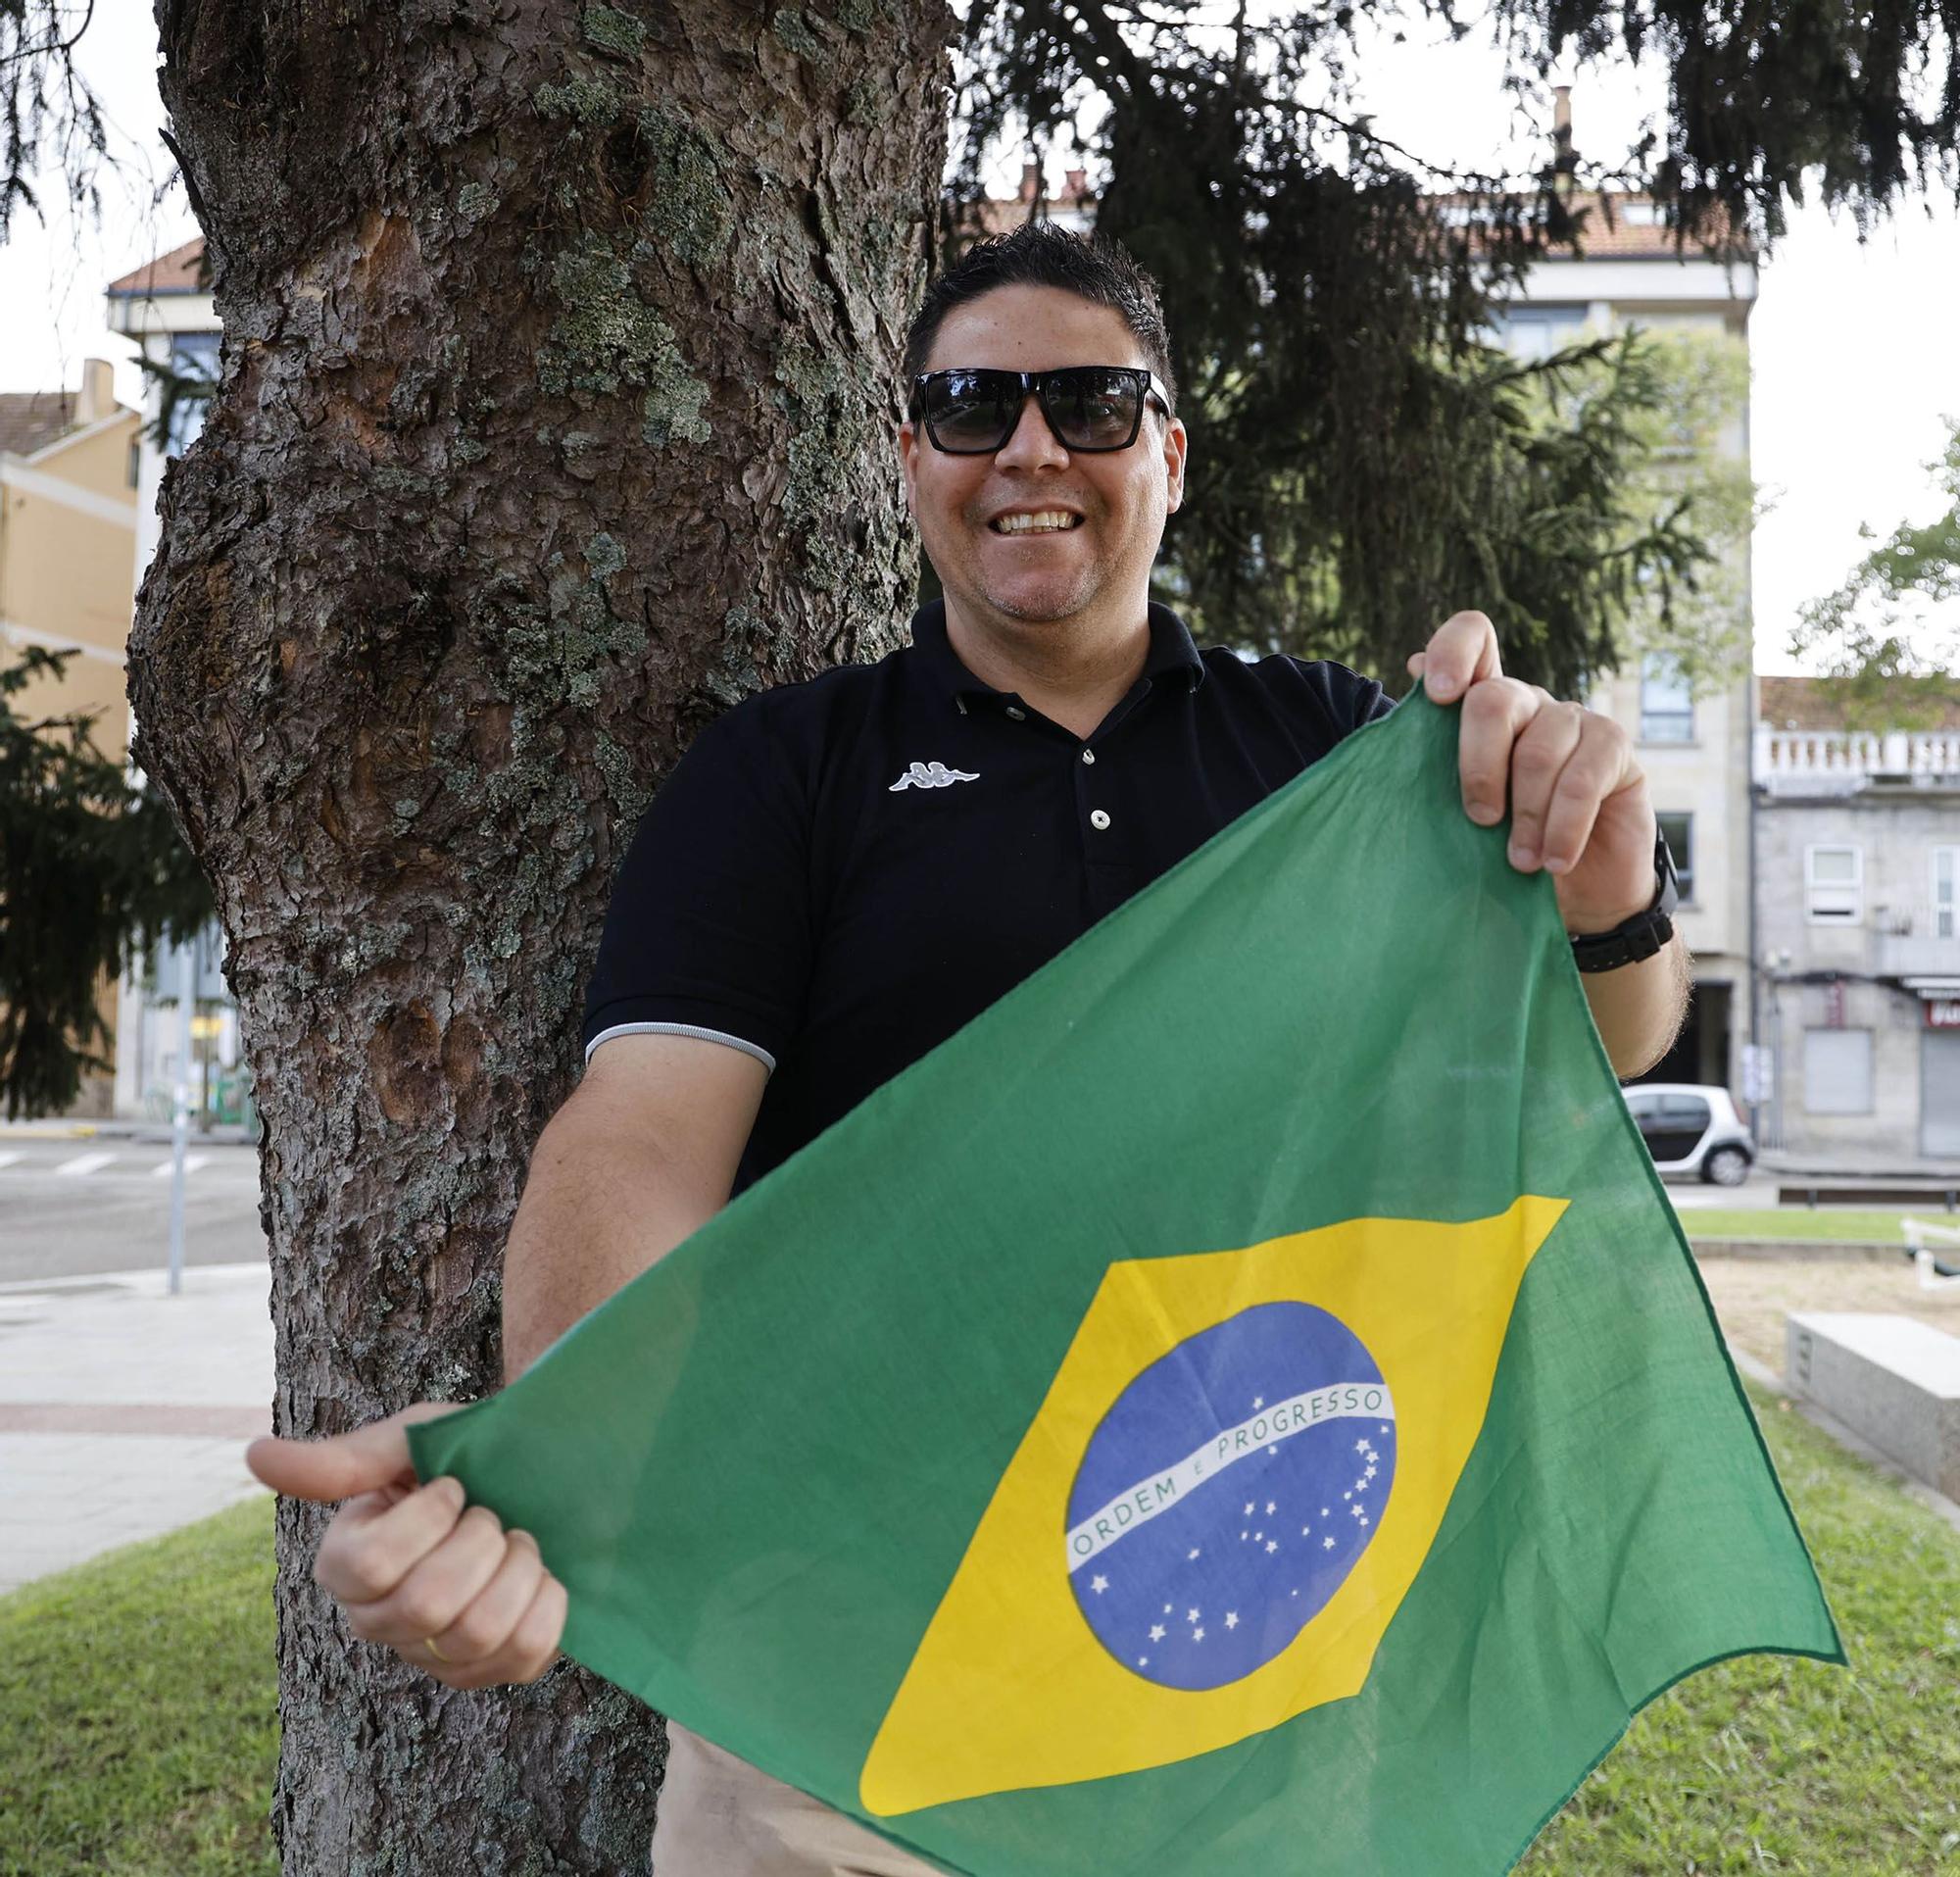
1939	1093
1679	1127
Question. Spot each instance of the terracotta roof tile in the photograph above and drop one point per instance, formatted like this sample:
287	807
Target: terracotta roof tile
1636	230
178	272
30	421
1803	704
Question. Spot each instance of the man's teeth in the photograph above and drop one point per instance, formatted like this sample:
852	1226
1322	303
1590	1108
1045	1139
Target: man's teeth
1053	520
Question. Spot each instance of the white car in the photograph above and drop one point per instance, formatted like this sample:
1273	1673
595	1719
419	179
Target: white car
1692	1128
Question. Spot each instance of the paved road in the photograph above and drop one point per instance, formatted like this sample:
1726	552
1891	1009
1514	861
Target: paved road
71	1208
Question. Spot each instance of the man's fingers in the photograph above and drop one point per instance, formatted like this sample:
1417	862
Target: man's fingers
343	1464
526	1654
482	1628
1597	768
1462	652
1539	759
1494	716
438	1587
533	1647
367	1554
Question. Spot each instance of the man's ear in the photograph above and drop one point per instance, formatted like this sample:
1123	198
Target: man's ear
1175	442
907	462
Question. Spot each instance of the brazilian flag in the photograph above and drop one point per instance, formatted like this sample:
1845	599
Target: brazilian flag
1241	1403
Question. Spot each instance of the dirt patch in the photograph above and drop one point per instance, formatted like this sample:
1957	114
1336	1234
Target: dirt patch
1752	1295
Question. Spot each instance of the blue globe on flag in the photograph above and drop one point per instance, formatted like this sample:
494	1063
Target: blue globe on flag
1228	1493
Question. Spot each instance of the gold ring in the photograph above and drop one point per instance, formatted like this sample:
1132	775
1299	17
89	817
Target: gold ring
429	1642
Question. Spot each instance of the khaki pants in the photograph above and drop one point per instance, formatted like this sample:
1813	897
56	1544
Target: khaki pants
720	1817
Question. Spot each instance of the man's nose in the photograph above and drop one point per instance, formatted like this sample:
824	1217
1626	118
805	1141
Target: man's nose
1033	445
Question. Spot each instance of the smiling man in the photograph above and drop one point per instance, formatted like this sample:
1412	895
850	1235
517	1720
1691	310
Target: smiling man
841	873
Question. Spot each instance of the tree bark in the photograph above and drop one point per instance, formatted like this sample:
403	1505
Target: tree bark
558	381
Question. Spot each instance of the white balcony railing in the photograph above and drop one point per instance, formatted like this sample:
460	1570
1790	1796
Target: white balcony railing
1848	758
1915	939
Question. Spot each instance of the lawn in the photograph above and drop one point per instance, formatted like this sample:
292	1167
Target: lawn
137	1700
1774	1764
138	1703
1802	1221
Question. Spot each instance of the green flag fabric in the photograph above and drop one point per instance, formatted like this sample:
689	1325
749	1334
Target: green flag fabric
1243	1404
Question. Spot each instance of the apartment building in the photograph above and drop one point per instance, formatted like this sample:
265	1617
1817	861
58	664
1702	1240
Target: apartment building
1858	919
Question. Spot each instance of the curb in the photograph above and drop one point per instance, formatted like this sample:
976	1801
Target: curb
1802	1250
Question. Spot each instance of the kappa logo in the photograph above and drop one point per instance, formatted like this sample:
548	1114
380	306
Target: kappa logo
932	776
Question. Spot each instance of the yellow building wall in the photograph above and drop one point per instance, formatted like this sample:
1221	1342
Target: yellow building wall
69	575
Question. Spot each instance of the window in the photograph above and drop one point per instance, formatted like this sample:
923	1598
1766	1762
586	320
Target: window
1944	904
1536	333
193	355
1680	832
1667	704
1834	884
136	462
1837	1071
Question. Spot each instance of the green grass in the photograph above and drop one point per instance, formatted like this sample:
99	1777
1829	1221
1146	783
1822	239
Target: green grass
1775	1764
137	1699
138	1709
1800	1221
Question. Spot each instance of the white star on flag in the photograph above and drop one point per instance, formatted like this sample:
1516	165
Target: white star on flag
1361	1446
1099	1585
1259	1401
1157	1632
1271	1509
1272	1543
1231	1619
1249	1508
1194	1551
1191	1616
1327	1543
1197	1634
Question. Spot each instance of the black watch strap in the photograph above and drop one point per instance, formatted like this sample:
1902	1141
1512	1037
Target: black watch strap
1641	936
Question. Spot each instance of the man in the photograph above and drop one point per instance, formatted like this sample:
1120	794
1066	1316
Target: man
842	872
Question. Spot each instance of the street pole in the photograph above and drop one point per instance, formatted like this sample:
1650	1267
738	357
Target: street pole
180	1119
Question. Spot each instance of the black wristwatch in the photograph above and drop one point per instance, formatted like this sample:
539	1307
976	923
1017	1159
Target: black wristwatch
1641	936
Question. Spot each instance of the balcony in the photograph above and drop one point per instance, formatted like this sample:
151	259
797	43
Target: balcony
1908	941
1843	761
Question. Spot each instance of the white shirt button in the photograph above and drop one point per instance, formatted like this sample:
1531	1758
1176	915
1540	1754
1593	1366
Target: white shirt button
1098	819
1015	711
1089	755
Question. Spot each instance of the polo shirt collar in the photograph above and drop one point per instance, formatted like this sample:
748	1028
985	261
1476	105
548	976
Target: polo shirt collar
1171	652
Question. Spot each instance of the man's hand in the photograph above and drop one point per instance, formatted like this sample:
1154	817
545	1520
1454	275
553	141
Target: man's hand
411	1566
1577	799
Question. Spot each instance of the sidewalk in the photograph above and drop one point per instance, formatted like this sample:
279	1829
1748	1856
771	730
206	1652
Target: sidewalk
220	1133
124	1410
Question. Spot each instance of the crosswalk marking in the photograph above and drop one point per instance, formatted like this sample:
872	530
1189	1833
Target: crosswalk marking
84	1164
192	1161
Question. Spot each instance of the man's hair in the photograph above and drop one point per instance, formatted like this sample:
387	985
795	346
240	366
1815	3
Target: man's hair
1038	253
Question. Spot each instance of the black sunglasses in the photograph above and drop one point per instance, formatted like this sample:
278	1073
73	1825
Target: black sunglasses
973	411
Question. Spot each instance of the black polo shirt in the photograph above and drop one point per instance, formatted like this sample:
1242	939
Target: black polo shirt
837	875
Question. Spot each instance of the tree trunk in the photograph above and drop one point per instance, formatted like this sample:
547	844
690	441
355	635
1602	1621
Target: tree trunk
558	380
